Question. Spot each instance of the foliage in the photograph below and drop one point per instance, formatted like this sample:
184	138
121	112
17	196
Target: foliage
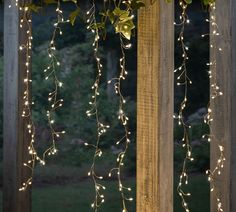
118	14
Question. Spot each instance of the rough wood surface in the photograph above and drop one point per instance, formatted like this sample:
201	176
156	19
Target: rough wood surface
15	136
155	108
224	108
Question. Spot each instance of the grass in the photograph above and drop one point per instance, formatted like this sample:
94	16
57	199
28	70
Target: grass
61	187
77	197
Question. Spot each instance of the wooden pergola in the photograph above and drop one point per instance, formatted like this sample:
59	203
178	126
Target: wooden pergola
154	106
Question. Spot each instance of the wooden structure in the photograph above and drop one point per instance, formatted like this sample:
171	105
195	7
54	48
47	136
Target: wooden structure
16	138
155	109
224	108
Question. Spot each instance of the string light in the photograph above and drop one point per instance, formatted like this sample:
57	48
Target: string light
215	92
16	4
123	118
25	49
55	103
53	96
51	73
183	80
93	111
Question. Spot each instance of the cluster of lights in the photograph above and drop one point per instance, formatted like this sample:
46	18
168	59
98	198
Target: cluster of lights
16	3
51	73
214	93
93	111
183	80
55	103
25	49
123	118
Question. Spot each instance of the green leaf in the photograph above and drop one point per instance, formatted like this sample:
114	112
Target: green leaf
75	1
111	16
123	22
73	16
188	1
208	2
125	28
137	4
98	26
122	14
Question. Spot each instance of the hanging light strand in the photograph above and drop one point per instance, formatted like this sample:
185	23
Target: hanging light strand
25	49
53	96
93	111
16	4
215	93
183	80
51	73
123	118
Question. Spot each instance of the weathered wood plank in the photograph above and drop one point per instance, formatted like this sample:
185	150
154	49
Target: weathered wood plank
16	138
224	108
155	108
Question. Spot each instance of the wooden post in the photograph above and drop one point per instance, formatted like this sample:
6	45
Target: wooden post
16	138
224	108
155	107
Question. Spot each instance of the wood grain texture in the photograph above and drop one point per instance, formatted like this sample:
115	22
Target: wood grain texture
224	108
16	139
155	108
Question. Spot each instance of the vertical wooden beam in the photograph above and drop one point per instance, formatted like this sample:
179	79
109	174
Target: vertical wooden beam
155	107
224	108
16	139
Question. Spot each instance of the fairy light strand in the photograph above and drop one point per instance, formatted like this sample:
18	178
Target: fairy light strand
16	4
25	49
183	80
93	111
215	93
123	118
51	73
55	102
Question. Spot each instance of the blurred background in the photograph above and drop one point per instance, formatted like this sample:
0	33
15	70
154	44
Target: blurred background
63	185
